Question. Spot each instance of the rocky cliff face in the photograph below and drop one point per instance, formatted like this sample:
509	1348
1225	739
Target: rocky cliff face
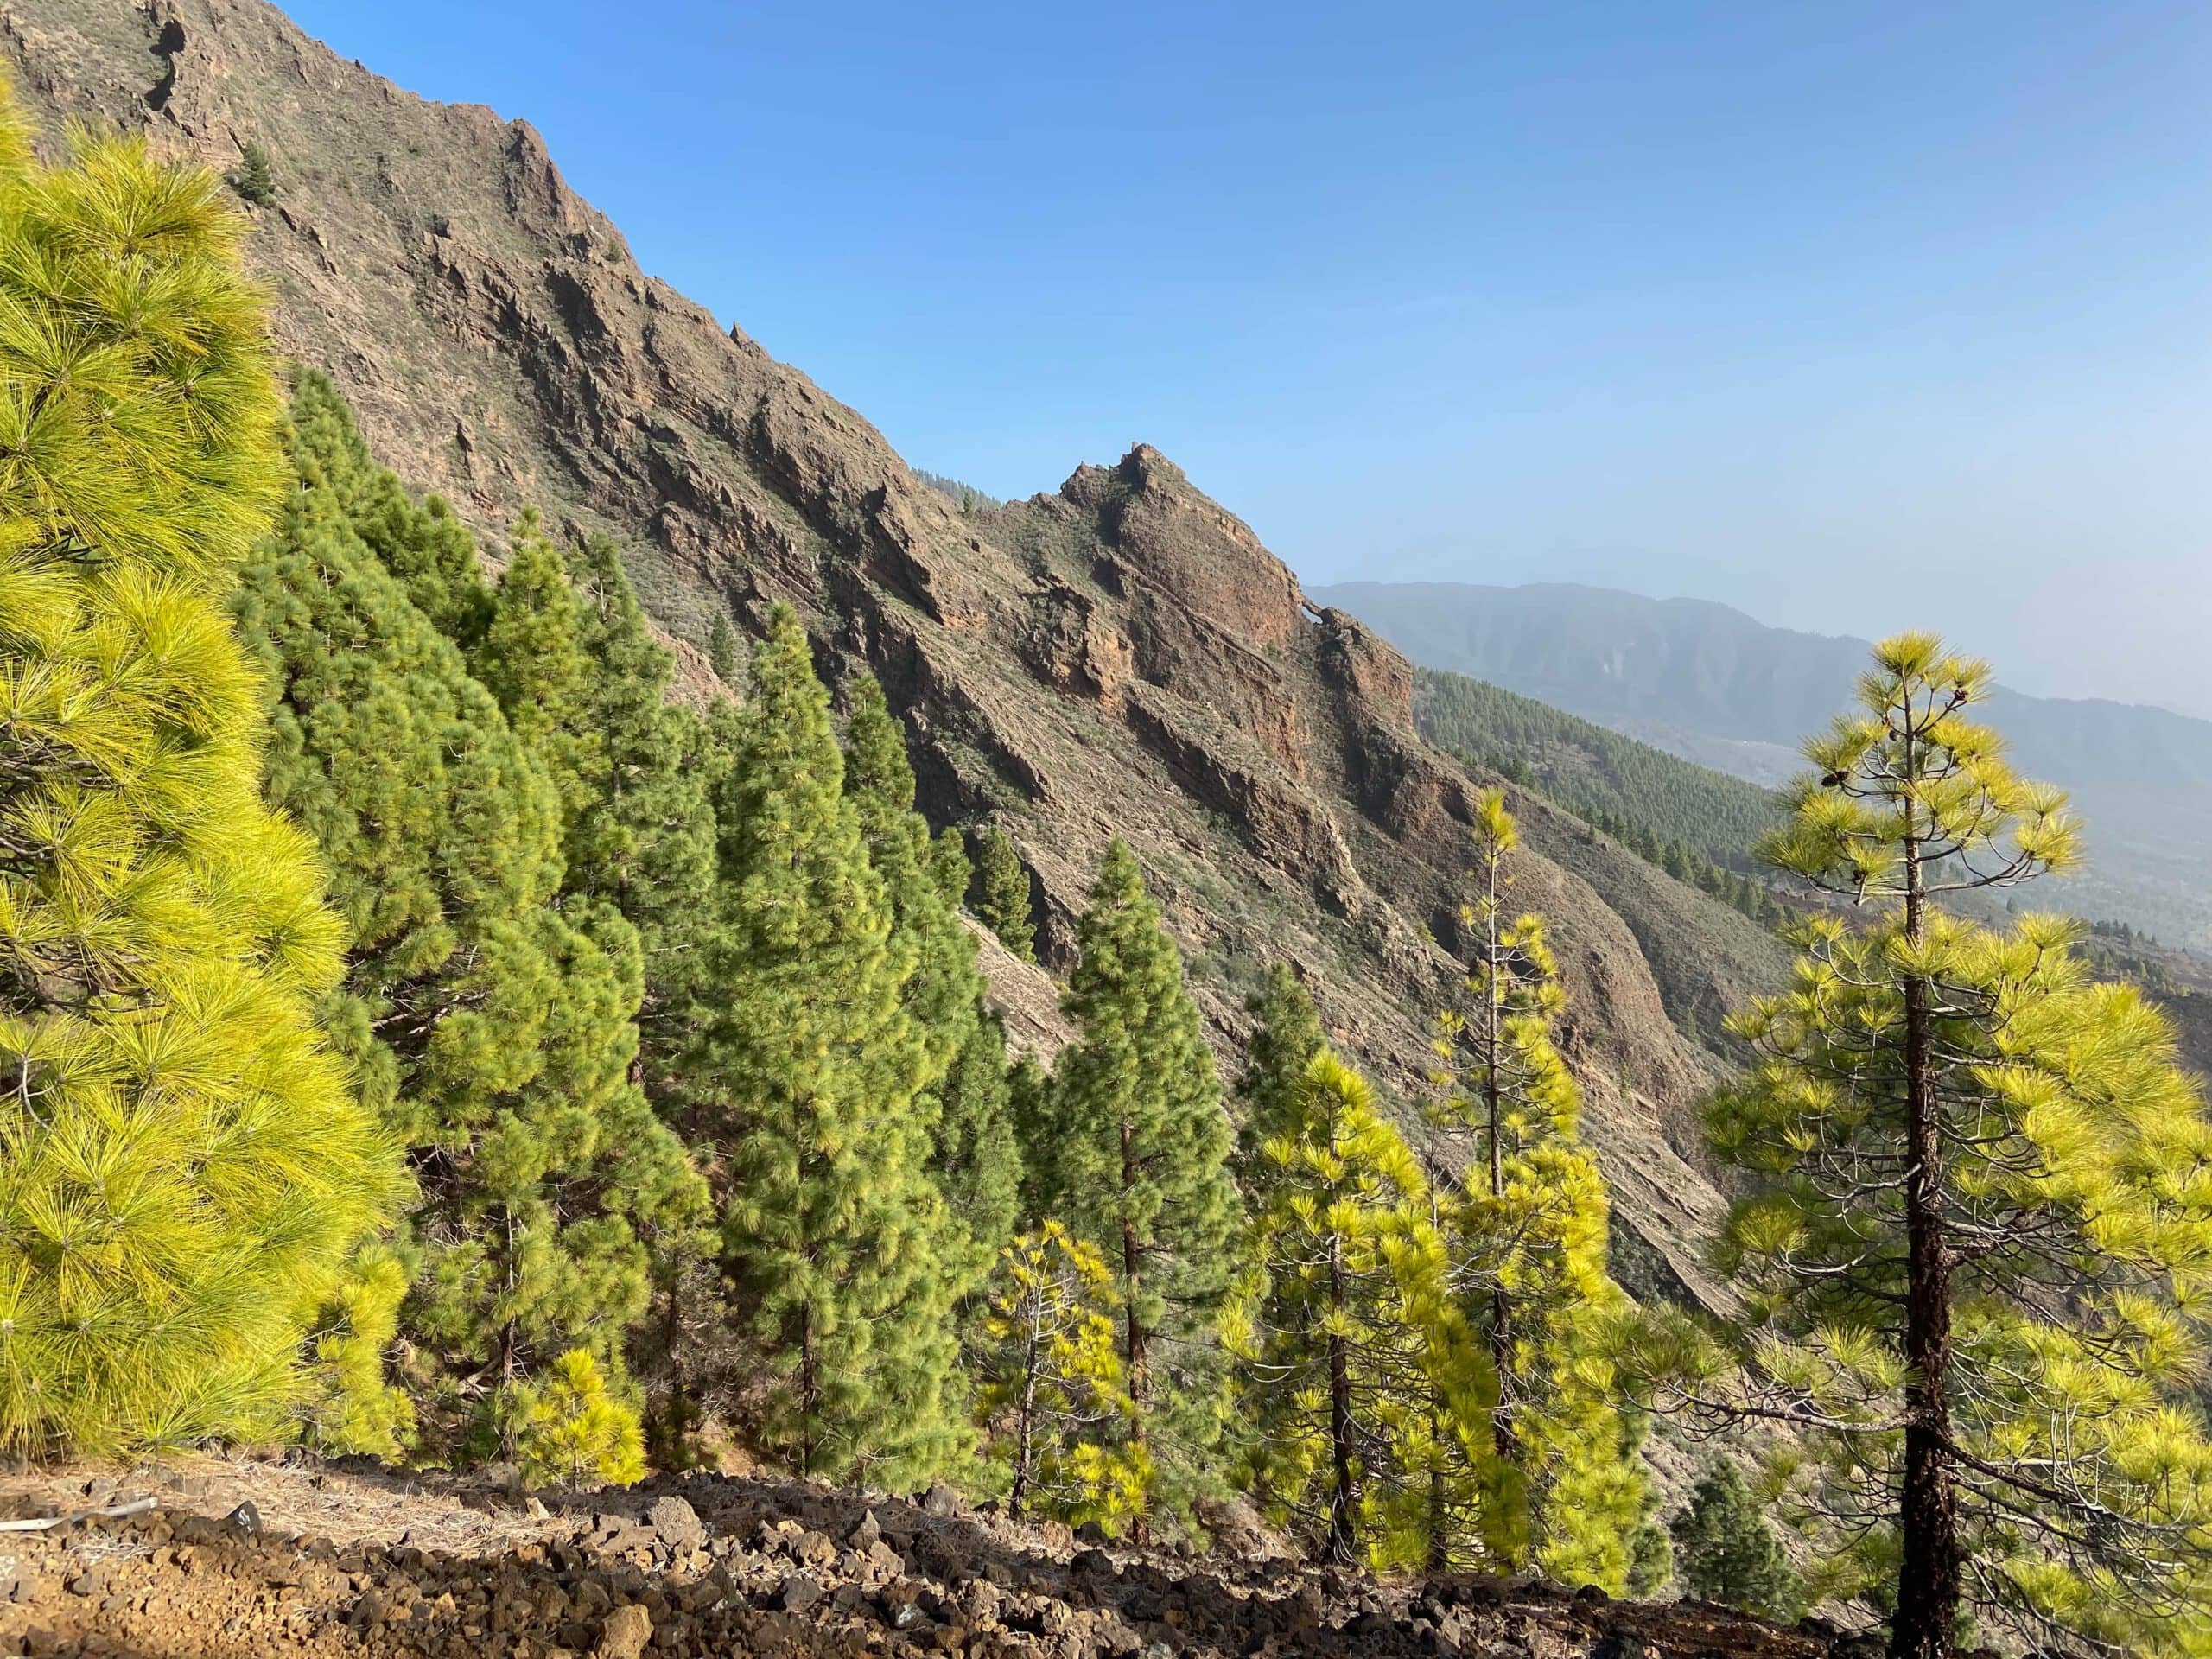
1122	656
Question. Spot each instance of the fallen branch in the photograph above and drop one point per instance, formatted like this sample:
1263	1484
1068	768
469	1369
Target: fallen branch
43	1524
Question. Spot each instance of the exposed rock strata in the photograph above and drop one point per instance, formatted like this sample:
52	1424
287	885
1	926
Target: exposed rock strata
1121	657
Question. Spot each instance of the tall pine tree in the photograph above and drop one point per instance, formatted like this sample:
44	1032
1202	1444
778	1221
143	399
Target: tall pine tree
1566	1487
975	1156
1139	1148
641	846
1000	894
532	658
1333	1362
1982	1219
492	1033
1287	1035
722	649
962	1097
644	839
831	1225
182	1163
941	982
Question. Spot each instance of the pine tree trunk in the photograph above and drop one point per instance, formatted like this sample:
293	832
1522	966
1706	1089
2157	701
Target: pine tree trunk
1438	1555
1132	1275
1032	1357
1343	1497
1438	1552
806	1391
668	1428
1501	1306
1928	1579
1140	1377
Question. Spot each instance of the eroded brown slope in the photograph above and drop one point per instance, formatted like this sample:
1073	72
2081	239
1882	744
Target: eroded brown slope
1121	657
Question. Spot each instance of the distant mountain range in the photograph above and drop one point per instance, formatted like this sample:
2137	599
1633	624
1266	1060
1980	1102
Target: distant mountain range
1713	686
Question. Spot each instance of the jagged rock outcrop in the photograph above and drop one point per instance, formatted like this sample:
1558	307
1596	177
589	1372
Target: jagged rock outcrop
1121	656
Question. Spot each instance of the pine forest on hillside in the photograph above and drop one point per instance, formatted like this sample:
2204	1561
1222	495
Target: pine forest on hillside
428	1036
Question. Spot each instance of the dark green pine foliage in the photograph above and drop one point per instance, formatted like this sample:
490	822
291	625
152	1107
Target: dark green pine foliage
831	1227
941	981
977	1159
1142	1151
582	680
722	651
1287	1035
644	839
493	1035
573	660
1724	1551
425	549
532	658
1000	897
256	178
962	1099
1597	774
1029	1110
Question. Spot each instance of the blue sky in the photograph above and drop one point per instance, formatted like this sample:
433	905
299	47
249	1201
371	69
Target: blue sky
1858	316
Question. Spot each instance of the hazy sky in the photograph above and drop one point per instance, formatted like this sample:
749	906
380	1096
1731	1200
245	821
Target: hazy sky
1854	316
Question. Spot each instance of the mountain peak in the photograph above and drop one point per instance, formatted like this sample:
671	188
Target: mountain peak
1123	657
1145	466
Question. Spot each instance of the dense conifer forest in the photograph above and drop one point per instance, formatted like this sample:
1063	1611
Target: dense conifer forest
1598	774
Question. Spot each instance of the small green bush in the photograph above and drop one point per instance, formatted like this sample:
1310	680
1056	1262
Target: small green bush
256	179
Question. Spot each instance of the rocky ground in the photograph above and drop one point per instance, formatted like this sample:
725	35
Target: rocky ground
289	1558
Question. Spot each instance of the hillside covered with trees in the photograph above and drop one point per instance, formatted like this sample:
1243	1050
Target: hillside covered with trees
450	1021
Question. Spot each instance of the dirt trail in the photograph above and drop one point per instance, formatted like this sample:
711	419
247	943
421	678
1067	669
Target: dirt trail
352	1560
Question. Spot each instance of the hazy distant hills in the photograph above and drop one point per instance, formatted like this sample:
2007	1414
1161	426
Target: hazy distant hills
1716	686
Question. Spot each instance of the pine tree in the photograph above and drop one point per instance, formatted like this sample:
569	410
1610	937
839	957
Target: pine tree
569	1427
1566	1486
1054	1402
1139	1146
532	659
568	650
1001	896
1434	1519
425	549
183	1165
256	179
960	1098
1725	1551
575	664
1029	1111
492	1035
722	649
1333	1361
1287	1035
831	1225
976	1158
643	840
941	982
1979	1242
352	1403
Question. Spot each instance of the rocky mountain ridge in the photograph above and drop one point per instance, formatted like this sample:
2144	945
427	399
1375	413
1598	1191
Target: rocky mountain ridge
1119	656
